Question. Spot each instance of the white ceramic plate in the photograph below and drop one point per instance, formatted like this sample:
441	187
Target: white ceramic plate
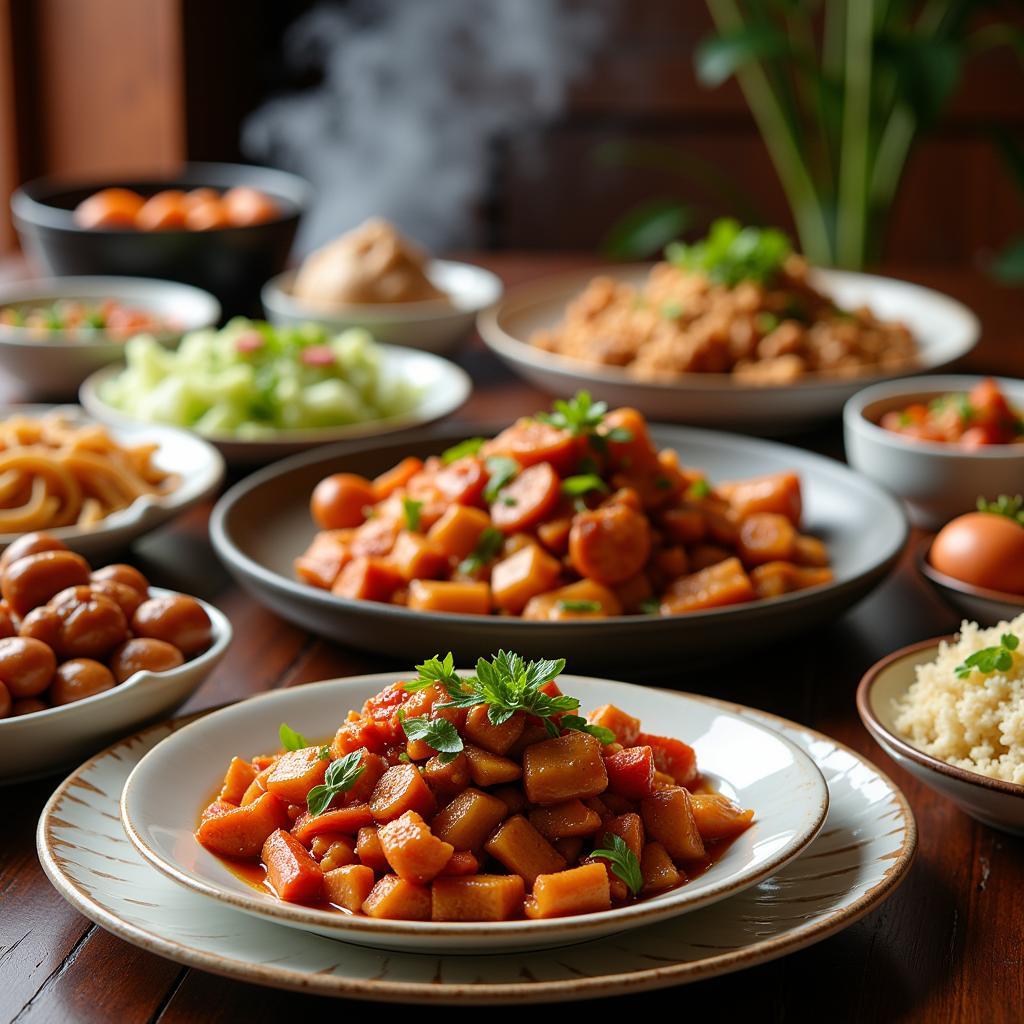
47	741
197	462
431	326
945	331
854	864
755	766
991	801
445	387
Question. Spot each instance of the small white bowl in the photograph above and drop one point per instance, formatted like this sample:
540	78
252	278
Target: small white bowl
979	604
53	367
752	764
432	326
937	481
195	461
991	801
49	741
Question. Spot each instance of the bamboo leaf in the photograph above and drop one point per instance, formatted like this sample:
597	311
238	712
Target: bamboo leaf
647	229
719	57
926	70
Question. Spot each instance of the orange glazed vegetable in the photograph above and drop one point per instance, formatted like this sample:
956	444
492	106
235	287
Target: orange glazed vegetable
483	797
573	514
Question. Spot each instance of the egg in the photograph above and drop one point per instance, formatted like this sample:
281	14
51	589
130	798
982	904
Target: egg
983	549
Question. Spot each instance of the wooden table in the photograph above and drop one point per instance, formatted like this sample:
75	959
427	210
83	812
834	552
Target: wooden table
946	947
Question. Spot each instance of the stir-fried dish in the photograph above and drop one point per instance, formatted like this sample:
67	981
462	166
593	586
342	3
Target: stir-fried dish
740	302
84	320
472	798
969	419
573	514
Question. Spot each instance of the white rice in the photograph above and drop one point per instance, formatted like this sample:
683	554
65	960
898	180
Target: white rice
975	723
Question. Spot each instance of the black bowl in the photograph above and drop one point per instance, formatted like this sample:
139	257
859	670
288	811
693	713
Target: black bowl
232	263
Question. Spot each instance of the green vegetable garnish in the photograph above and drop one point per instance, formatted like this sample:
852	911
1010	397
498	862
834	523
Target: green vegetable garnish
291	739
500	471
623	861
580	606
767	322
581	416
731	253
438	733
671	310
468	447
650	606
487	548
1004	505
575	486
574	723
698	489
411	510
991	659
341	776
433	670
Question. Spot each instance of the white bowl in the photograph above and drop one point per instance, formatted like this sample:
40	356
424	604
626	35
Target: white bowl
944	329
445	387
431	326
979	604
54	367
48	741
752	764
936	481
991	801
196	462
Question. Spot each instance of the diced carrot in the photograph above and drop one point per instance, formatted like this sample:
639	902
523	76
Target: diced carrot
401	788
415	557
584	599
398	476
326	556
487	769
636	452
530	441
525	574
527	499
766	537
703	556
657	869
582	890
497	739
670	563
523	850
559	821
631	772
291	872
411	848
635	592
395	898
447	777
777	492
564	768
237	780
668	819
457	532
242	832
609	544
684	525
333	850
718	817
217	808
673	757
461	862
477	898
348	886
460	598
630	828
253	793
773	579
296	773
369	850
342	819
462	482
715	587
810	551
625	727
554	534
367	579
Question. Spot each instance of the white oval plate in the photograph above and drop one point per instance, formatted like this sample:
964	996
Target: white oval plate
57	738
196	462
754	765
444	385
855	863
945	331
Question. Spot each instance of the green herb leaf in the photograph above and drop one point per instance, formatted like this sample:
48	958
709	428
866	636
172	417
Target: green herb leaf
574	486
574	723
404	758
650	606
698	489
487	548
731	253
291	739
579	415
500	471
990	659
459	451
1004	505
438	733
579	606
341	776
411	510
671	310
622	860
434	670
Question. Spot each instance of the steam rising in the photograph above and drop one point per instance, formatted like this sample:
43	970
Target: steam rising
413	96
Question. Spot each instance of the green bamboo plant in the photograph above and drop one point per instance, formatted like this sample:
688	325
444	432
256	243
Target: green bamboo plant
840	90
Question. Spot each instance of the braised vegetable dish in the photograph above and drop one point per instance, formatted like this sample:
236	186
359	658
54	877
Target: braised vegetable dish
67	632
172	209
82	320
573	514
739	302
972	419
476	798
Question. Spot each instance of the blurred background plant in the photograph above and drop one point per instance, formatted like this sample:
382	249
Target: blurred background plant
840	90
1008	266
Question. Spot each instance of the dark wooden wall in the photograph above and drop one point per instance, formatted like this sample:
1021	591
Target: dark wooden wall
115	85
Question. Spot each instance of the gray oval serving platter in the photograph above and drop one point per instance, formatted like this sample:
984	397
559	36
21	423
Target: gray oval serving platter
262	523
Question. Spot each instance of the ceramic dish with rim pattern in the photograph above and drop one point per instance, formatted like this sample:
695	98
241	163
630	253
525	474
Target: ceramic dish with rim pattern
749	763
197	463
854	864
991	801
261	525
944	329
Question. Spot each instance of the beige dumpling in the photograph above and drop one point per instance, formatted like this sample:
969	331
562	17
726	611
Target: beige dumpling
370	264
